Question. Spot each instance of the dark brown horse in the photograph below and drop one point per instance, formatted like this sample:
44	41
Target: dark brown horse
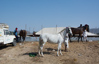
79	31
23	34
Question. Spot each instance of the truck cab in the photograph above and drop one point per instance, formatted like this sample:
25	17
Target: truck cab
5	36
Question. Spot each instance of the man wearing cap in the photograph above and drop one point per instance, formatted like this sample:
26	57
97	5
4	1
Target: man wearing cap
16	34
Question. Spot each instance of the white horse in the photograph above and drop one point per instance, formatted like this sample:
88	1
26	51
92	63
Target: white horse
53	38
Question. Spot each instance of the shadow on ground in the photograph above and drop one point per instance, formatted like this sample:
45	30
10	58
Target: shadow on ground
51	49
35	53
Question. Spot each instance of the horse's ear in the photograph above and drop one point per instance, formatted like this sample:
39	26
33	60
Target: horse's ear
67	29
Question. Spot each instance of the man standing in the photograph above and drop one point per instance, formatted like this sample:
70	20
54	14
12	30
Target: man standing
16	34
85	35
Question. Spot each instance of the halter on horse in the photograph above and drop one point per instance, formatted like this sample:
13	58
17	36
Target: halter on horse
53	38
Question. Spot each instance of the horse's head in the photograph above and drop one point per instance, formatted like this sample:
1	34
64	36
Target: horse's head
86	27
68	30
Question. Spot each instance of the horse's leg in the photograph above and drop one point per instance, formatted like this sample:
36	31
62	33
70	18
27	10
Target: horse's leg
81	38
66	45
42	45
42	48
59	49
23	38
39	50
20	38
65	48
78	38
69	38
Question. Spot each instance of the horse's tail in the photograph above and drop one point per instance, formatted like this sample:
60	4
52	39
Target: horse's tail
40	41
39	49
39	45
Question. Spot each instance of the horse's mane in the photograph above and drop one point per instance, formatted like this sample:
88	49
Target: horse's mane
63	33
62	30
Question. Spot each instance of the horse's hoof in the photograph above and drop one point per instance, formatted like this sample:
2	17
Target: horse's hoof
66	51
57	55
38	55
42	55
61	54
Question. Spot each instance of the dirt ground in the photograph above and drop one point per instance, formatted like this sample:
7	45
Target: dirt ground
78	53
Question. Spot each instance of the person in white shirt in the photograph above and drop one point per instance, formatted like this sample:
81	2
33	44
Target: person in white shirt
85	35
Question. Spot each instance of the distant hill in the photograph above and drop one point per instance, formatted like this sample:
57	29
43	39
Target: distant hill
94	30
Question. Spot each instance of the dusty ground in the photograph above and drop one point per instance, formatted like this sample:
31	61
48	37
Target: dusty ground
78	53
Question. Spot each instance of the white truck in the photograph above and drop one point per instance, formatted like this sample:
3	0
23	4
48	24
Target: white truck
5	36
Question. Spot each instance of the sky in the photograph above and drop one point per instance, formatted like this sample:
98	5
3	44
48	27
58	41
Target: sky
37	14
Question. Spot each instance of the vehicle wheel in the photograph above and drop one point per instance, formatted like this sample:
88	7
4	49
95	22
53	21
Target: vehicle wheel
14	43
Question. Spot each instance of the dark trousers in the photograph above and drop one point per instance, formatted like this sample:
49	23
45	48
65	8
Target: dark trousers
16	38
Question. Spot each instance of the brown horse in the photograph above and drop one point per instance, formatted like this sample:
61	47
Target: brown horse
79	31
23	34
